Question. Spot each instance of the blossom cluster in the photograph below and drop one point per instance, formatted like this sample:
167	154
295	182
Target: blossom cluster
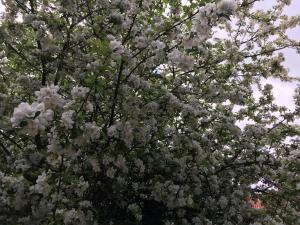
33	117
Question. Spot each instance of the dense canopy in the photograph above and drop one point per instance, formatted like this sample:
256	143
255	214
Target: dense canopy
128	112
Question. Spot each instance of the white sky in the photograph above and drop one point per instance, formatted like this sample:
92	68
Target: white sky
283	91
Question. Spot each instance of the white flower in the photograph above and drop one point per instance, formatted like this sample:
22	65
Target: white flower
66	118
82	186
79	91
70	216
34	115
92	131
141	41
89	106
69	104
126	134
158	45
116	46
31	128
113	131
152	107
226	7
181	60
206	17
24	110
173	100
41	186
50	97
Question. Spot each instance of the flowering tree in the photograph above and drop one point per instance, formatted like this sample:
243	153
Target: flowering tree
126	112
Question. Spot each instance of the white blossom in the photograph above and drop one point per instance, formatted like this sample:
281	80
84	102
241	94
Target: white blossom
80	92
92	131
67	119
42	186
89	106
50	97
117	49
181	60
226	7
34	116
70	216
139	112
26	111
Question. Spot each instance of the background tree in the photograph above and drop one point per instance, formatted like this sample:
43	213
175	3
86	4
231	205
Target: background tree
126	111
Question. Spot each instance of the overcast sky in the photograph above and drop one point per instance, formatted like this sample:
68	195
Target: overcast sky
283	91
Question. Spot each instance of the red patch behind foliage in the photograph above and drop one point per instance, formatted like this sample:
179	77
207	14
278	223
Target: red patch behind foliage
256	204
